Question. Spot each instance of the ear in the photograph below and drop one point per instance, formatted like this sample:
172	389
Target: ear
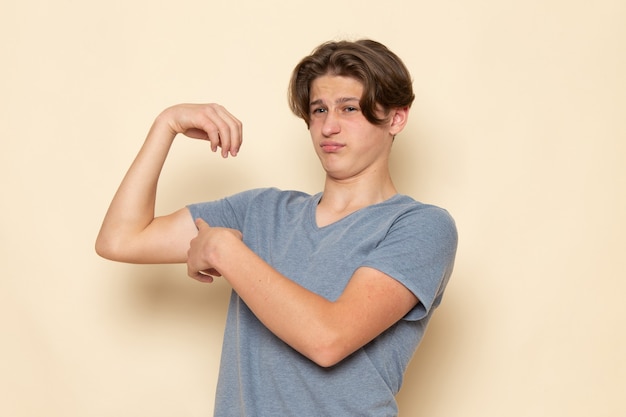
399	118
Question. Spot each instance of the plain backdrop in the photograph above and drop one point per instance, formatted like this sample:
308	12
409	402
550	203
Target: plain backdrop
518	129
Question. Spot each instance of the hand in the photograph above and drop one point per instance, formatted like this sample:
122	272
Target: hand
210	122
204	248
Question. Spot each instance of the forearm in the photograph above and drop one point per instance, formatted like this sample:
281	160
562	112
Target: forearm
324	331
132	207
306	321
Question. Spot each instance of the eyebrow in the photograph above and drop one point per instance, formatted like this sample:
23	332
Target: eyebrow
338	101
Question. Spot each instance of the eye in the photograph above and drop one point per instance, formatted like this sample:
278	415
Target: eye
318	110
351	109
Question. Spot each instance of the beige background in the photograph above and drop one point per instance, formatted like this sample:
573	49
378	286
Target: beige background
518	129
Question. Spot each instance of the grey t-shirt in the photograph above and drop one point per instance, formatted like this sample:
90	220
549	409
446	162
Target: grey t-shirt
260	375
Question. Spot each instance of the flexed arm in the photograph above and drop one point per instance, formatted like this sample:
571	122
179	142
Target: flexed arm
130	231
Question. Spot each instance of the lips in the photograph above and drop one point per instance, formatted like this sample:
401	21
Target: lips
330	146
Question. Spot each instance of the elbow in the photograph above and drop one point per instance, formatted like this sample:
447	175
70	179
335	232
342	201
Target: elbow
103	249
108	249
330	350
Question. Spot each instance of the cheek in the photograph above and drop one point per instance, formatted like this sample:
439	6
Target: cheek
315	130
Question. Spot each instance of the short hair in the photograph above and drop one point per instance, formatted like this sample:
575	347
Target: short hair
387	83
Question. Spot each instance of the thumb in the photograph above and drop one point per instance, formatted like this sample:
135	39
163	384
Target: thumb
201	224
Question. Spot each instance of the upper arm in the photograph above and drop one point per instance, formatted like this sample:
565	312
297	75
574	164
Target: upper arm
370	304
165	240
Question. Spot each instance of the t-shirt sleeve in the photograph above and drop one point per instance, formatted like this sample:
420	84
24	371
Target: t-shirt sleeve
419	252
226	212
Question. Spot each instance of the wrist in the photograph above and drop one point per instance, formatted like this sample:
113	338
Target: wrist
230	246
166	122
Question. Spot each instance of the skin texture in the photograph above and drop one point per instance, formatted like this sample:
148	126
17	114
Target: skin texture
354	155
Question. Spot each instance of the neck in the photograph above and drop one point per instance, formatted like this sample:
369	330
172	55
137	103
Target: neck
342	198
353	194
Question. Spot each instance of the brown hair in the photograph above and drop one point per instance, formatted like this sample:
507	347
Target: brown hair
386	80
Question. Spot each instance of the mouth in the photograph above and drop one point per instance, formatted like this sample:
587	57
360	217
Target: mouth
330	147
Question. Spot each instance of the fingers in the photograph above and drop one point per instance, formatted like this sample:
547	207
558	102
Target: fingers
210	122
196	267
223	129
200	262
201	224
202	276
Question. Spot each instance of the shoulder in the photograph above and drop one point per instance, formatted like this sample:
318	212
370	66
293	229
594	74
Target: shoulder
423	221
233	210
276	198
269	193
254	197
413	210
257	195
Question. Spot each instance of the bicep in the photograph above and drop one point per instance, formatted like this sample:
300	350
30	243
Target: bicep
165	240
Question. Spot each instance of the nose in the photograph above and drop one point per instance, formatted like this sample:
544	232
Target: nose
331	125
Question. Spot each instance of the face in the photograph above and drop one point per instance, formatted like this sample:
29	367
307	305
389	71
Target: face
347	144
